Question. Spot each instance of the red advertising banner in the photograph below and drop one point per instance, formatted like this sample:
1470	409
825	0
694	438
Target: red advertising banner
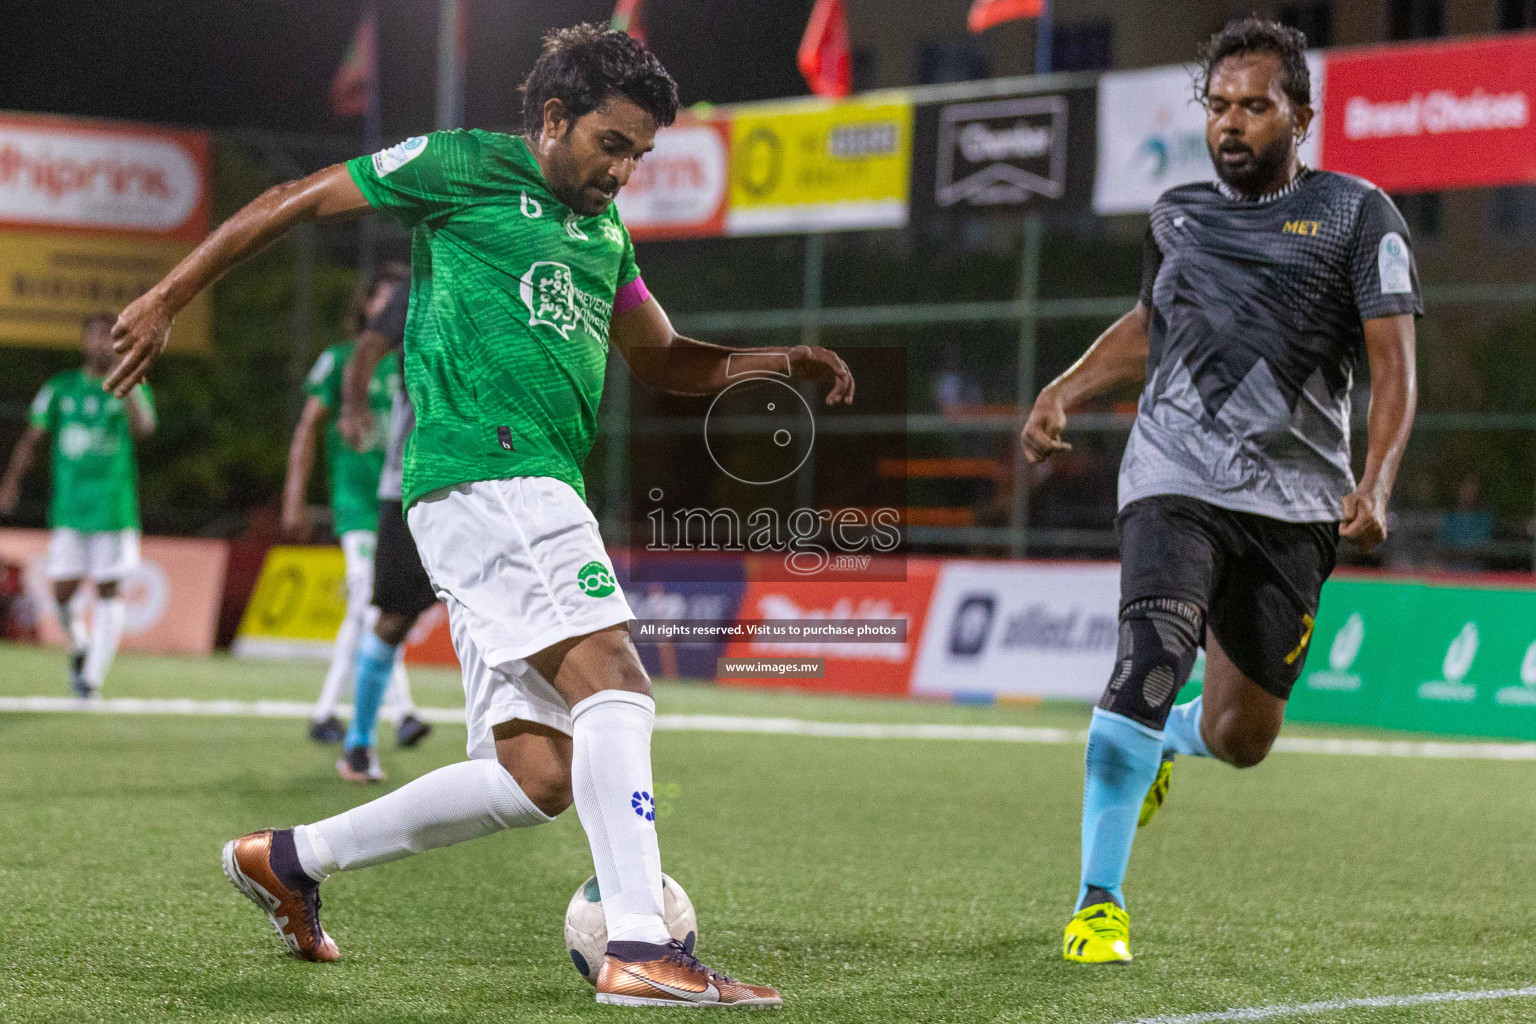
871	668
1434	115
172	597
95	176
681	187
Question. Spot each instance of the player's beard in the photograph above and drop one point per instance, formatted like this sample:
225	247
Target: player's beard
1267	170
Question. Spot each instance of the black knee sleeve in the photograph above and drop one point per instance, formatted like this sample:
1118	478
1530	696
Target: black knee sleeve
1159	641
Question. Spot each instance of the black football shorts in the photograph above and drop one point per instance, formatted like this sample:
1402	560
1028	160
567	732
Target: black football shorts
400	584
1257	579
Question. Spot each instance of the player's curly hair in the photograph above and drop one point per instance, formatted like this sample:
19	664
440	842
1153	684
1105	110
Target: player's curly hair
1258	35
583	65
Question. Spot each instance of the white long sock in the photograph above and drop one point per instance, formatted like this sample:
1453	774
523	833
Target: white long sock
343	657
451	805
72	619
106	634
611	777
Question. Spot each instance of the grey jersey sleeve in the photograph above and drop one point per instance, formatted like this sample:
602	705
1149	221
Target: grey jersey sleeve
1151	263
1385	277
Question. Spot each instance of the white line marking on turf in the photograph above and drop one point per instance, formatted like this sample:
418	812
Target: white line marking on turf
1330	1005
786	727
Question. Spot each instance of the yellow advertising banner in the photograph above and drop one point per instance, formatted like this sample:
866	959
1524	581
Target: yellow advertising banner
816	166
299	602
52	280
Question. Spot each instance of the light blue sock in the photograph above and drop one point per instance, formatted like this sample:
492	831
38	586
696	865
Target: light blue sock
375	662
1182	733
1122	761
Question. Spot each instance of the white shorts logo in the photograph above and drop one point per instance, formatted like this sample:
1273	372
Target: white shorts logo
397	156
1393	266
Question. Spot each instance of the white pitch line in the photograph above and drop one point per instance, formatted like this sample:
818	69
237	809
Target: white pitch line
1275	1010
787	727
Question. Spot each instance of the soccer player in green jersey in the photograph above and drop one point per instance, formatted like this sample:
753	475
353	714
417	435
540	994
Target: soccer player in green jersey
94	514
523	276
354	492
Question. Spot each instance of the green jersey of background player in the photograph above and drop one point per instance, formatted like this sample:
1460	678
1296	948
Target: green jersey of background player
94	511
524	276
354	466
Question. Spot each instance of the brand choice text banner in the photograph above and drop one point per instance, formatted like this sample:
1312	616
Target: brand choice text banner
817	166
91	214
1151	135
1434	115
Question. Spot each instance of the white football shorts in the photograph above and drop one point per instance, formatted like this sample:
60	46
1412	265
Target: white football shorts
106	557
521	566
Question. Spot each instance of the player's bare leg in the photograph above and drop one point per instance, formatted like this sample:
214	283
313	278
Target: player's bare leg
75	631
601	679
1239	719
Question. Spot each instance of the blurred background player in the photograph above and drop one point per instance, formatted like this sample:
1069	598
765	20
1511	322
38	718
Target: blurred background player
1259	293
401	589
94	513
558	706
354	467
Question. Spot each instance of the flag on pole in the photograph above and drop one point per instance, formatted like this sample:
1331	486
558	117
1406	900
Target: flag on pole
986	13
352	89
825	59
626	18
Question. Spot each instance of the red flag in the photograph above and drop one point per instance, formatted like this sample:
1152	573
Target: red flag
986	13
824	58
352	88
626	18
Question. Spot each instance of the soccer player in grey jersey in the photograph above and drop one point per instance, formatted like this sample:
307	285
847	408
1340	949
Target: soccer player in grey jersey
1259	293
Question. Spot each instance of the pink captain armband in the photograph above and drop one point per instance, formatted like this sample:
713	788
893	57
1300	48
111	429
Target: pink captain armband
630	295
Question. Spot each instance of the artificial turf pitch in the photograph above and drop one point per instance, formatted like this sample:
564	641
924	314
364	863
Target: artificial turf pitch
871	880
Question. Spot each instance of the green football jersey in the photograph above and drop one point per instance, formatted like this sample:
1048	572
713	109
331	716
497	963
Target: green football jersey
354	474
511	293
95	476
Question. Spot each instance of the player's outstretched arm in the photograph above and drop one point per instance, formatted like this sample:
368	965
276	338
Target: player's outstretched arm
356	420
144	327
672	363
301	462
141	414
1116	356
1390	347
21	461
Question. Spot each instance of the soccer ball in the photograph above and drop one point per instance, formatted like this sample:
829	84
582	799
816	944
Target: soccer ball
586	929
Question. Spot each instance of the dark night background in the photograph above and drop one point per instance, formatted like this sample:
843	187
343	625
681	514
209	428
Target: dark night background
268	63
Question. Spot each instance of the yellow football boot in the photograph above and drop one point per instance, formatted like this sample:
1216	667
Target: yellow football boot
1158	793
1098	934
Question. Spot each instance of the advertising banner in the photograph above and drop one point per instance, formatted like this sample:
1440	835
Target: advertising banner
91	214
1434	115
818	166
680	588
1003	154
299	602
883	667
681	187
1020	629
1422	656
1151	135
172	598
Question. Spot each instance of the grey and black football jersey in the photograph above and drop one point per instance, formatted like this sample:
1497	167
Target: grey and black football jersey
1257	309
